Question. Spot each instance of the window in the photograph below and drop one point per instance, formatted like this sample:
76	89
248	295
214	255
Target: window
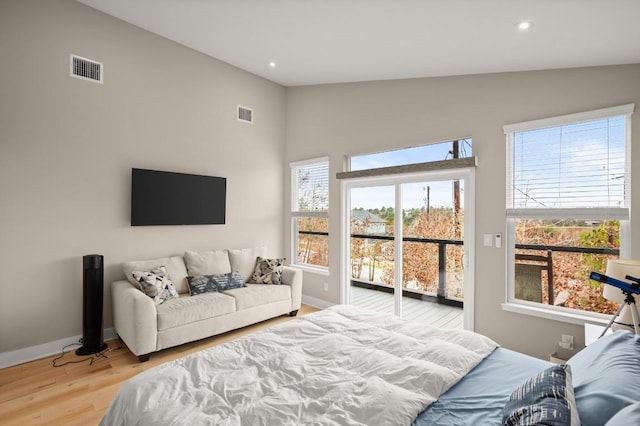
567	208
310	212
459	148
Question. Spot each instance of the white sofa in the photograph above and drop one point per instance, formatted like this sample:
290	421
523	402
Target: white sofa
146	327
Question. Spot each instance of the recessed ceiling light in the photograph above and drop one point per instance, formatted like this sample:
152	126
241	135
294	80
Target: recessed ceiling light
272	64
524	25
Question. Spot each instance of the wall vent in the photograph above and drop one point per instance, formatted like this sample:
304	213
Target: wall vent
86	69
245	114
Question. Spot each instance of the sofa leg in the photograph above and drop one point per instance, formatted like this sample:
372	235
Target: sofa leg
144	358
293	313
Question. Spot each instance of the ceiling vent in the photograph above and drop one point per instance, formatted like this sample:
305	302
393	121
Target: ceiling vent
245	114
86	69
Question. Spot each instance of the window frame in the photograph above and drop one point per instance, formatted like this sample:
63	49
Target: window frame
560	313
297	214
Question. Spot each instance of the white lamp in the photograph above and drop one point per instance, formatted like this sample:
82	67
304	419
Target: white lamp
619	269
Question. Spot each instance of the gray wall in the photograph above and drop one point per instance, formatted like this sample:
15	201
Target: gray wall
67	147
344	119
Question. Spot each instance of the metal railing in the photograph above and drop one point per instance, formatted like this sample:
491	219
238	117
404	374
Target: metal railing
442	258
441	294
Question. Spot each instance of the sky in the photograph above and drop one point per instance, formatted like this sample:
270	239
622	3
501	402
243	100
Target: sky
413	194
575	165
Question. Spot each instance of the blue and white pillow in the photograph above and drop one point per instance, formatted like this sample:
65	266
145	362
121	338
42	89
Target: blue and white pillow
156	284
545	399
210	283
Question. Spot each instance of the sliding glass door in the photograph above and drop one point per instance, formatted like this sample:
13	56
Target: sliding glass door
408	246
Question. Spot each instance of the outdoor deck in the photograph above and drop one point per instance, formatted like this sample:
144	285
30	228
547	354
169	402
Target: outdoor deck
412	309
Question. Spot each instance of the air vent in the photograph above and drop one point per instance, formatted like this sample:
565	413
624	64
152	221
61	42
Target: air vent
245	114
86	69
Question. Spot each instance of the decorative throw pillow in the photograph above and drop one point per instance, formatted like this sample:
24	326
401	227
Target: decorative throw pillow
268	271
156	284
175	269
208	283
545	399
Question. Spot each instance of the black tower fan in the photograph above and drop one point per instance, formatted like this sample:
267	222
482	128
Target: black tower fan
92	283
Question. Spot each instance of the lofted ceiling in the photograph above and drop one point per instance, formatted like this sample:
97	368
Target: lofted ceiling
305	42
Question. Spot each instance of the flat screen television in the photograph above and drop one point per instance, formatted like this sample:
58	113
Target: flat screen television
168	198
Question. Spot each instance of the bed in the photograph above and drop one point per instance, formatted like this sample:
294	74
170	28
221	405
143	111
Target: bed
349	366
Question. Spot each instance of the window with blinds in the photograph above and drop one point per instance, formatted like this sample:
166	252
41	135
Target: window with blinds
310	186
568	164
567	208
310	212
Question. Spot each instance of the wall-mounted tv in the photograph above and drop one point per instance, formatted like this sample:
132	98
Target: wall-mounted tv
168	198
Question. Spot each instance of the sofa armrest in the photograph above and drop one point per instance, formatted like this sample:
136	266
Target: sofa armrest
293	277
135	318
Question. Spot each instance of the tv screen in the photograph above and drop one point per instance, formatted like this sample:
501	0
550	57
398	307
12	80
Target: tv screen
167	198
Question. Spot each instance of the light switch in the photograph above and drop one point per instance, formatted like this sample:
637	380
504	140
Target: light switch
488	240
498	240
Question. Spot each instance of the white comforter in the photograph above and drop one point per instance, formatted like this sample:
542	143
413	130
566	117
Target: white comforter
339	366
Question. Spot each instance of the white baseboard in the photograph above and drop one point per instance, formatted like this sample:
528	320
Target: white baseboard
20	356
315	302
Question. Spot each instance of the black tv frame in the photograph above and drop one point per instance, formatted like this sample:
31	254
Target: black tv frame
172	198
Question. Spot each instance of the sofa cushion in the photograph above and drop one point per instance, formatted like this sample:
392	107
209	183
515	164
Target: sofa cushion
175	268
155	284
244	261
208	283
189	309
258	294
207	262
268	271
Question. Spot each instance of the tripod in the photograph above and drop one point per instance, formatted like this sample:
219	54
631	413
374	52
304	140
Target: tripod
628	289
631	302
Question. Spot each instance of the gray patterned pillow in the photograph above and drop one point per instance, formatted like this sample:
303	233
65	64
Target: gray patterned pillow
545	399
208	283
268	271
156	284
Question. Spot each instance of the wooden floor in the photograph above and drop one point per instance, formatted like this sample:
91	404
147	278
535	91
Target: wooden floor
425	312
36	393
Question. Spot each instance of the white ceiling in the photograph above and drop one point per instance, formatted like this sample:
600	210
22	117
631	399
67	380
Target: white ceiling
330	41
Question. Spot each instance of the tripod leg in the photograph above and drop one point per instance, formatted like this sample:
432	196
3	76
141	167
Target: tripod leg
614	318
634	315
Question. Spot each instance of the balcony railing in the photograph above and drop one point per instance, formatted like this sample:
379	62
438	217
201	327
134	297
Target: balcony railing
442	259
441	295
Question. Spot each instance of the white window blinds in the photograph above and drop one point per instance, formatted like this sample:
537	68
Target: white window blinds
310	187
571	166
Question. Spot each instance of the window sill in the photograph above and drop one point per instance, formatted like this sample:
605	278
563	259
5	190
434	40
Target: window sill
557	315
312	269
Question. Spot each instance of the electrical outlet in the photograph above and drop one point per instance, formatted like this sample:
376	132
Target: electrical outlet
566	342
326	286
